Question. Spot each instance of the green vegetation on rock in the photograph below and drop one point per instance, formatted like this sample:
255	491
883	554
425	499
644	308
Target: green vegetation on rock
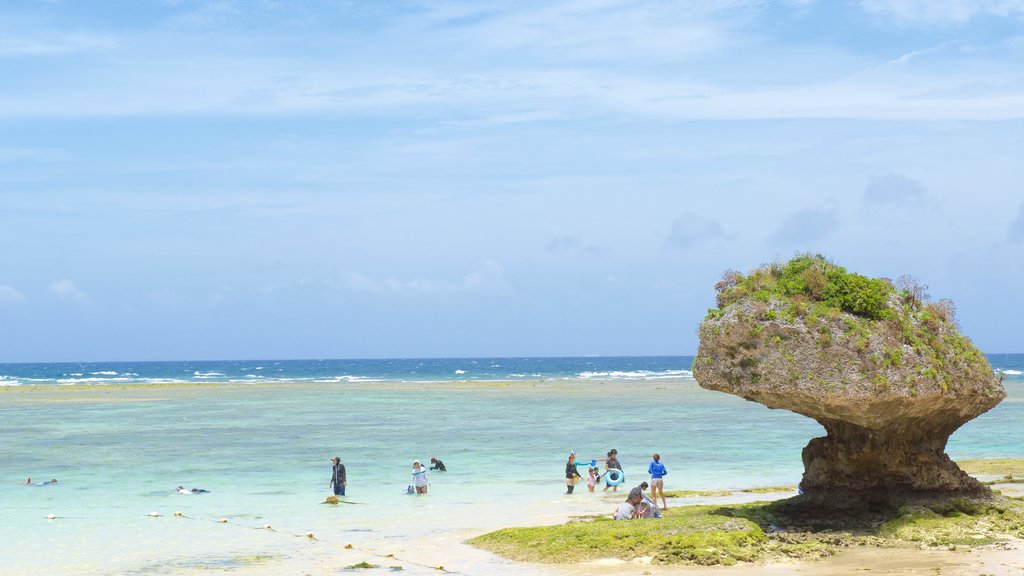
870	331
810	279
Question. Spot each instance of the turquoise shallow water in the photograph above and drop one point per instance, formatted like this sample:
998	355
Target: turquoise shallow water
263	451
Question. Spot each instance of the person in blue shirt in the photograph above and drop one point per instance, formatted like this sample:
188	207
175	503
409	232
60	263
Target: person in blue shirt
657	471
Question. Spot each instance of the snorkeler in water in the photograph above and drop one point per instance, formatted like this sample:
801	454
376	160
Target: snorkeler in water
183	490
47	483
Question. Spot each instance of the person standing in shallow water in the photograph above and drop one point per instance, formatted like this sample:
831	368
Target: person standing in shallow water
657	471
571	474
612	463
338	480
419	477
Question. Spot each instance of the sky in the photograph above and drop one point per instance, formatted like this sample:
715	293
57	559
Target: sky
218	179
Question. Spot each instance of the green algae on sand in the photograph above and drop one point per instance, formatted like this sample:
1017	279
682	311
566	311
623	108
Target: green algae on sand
709	534
721	493
691	535
993	466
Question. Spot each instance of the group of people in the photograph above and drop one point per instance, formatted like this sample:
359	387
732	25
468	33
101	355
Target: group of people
612	469
594	475
420	478
638	505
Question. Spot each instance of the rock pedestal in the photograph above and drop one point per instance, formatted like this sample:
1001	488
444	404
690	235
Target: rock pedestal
889	393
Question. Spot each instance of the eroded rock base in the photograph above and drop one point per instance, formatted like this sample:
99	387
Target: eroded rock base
858	477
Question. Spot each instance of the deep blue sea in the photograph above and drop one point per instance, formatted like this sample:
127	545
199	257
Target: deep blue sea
401	369
404	369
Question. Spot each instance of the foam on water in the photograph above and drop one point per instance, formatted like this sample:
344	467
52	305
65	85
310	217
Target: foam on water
635	375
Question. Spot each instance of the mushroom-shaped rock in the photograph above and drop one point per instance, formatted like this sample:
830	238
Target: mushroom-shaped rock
885	371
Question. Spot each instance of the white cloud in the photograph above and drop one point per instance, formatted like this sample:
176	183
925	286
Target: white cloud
40	45
66	290
906	58
591	30
10	297
489	277
942	12
518	63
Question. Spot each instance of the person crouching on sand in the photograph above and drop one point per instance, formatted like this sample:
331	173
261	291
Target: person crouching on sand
648	509
419	477
629	509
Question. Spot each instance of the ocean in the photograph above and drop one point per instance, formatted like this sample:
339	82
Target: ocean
259	436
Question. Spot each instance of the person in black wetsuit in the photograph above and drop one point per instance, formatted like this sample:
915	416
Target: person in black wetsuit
571	474
338	479
436	464
612	463
183	490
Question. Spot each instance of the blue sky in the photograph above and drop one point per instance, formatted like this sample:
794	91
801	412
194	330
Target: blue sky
269	179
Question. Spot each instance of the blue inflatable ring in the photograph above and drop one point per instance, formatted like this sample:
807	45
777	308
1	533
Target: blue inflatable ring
614	477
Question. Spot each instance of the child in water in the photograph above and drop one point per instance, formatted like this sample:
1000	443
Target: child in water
591	478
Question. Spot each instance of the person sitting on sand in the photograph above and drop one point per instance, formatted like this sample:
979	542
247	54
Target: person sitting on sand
419	477
628	509
648	509
436	464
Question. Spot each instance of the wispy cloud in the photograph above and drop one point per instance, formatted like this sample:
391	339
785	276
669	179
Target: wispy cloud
605	30
517	63
489	277
10	296
67	290
54	44
906	58
942	12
